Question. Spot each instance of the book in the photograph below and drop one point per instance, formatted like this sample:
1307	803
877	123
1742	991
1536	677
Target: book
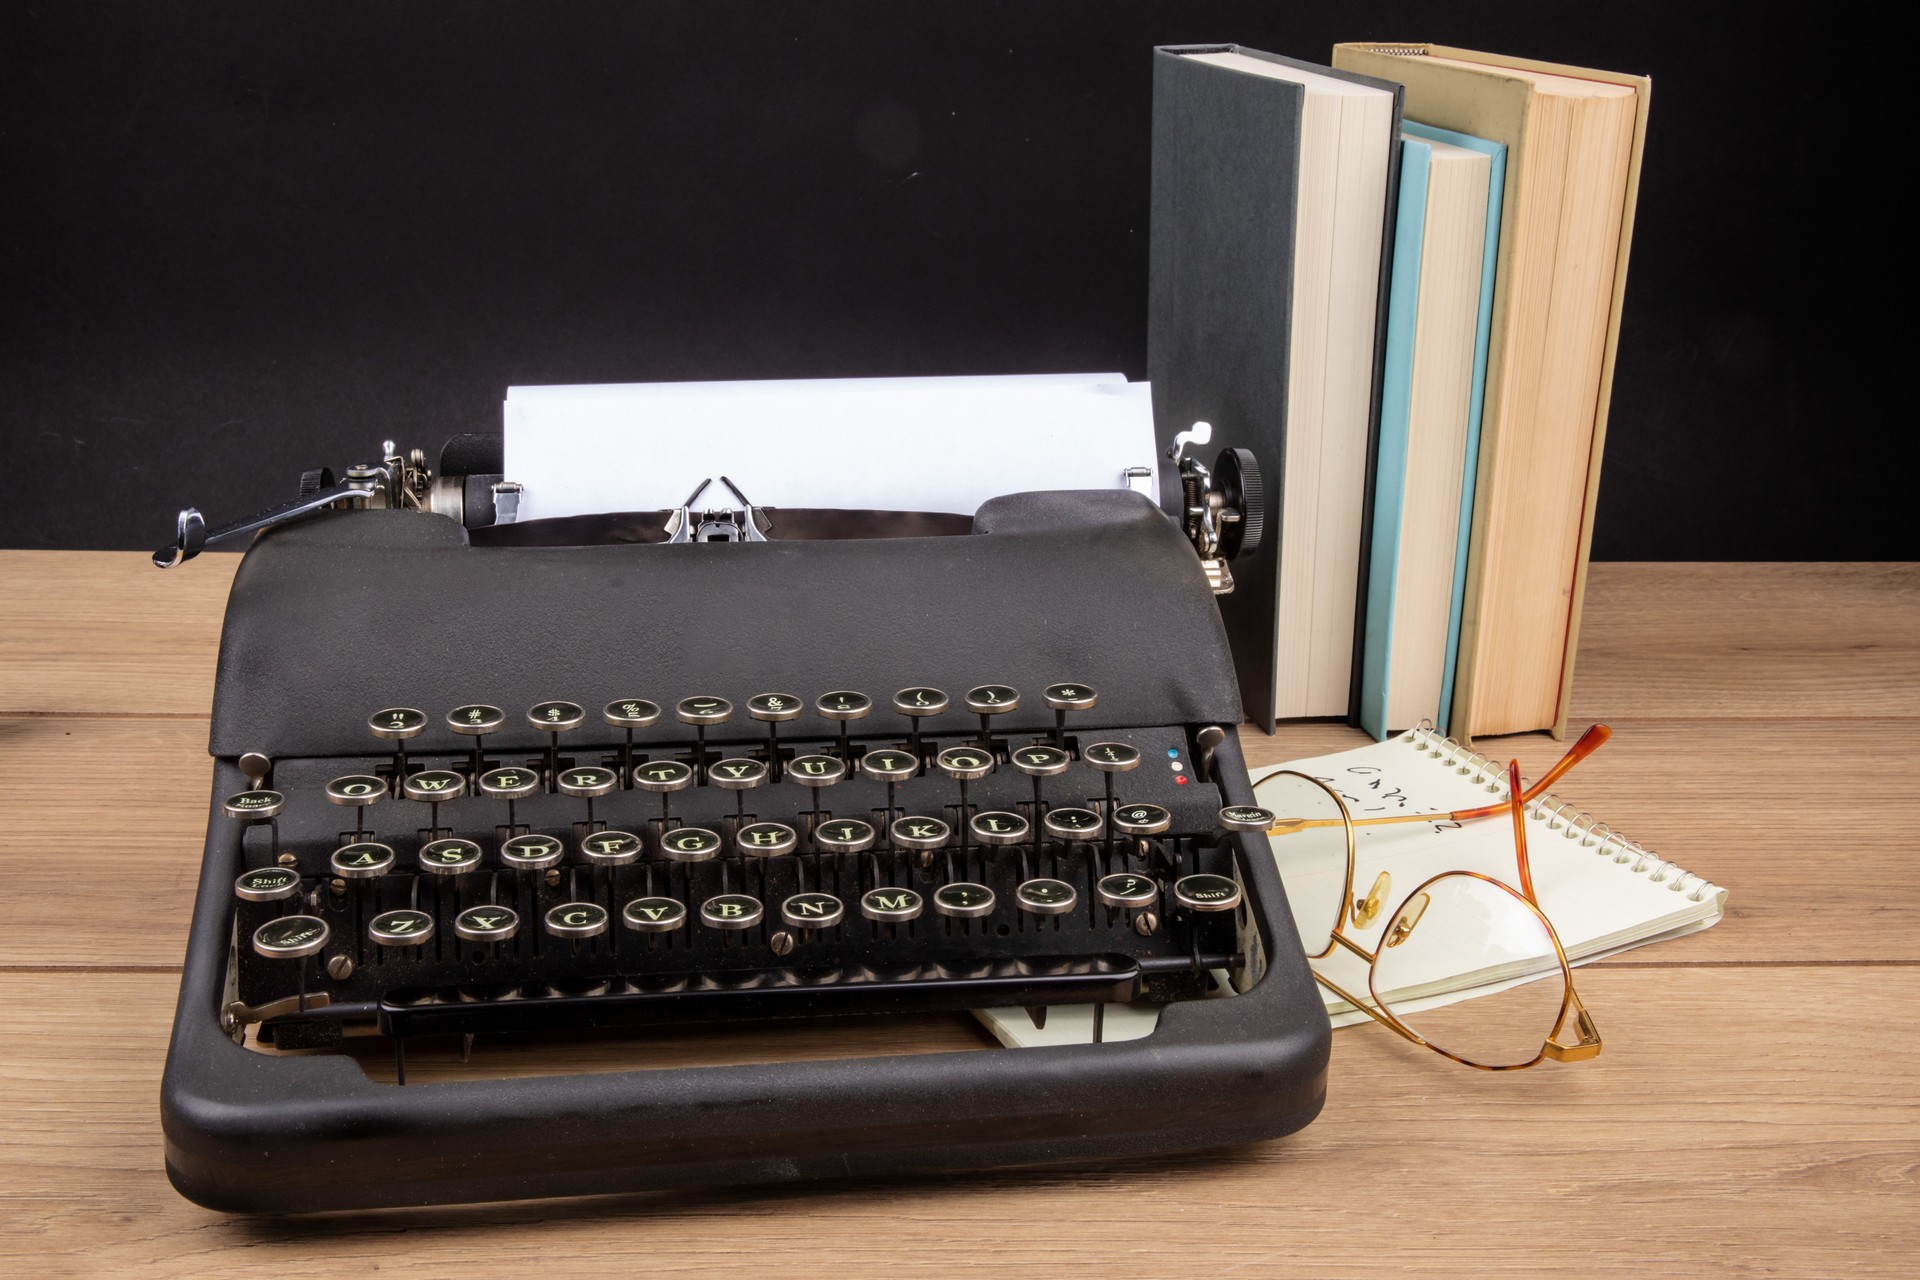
1574	138
1272	203
1433	380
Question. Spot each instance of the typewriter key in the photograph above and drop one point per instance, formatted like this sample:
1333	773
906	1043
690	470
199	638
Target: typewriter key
404	928
363	860
917	704
629	714
964	901
1064	698
291	937
701	712
1245	817
1073	824
888	905
532	853
555	718
844	835
813	911
1111	758
1045	897
731	911
774	709
268	884
587	782
999	827
816	771
653	915
450	857
766	839
576	920
431	787
476	720
690	844
920	833
508	784
486	924
358	790
664	777
1126	889
397	725
739	775
1040	763
254	804
888	765
1204	892
989	700
844	705
1141	820
611	848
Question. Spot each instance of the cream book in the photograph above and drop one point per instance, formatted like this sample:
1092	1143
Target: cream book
1574	139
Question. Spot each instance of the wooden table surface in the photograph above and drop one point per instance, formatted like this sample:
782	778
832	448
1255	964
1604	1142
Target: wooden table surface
1757	1109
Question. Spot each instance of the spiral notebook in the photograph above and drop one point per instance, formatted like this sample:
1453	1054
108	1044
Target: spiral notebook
1603	892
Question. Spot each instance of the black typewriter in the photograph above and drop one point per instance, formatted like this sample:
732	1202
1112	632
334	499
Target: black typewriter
475	780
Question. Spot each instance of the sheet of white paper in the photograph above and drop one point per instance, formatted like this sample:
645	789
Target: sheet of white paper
768	386
886	444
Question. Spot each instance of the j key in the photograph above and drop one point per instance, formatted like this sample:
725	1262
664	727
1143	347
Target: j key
844	835
844	706
766	839
358	791
476	720
397	725
508	784
554	719
1245	817
774	710
663	777
451	857
917	704
363	860
888	905
1046	897
654	915
988	701
268	884
630	714
738	775
1040	763
701	712
1205	892
577	920
813	911
1064	698
963	900
404	928
1127	889
588	782
488	924
731	911
532	853
611	848
690	844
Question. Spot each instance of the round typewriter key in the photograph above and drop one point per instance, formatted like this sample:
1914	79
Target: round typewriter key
703	711
1245	817
737	773
397	724
1141	820
766	839
992	699
996	827
1112	757
813	911
268	884
690	844
1041	762
731	911
556	717
888	765
816	771
1125	889
630	713
663	775
476	719
1072	824
653	915
577	920
611	848
964	901
449	857
362	861
434	786
843	704
291	937
253	804
965	763
844	835
359	789
508	784
532	853
1045	897
1071	697
1204	892
919	701
486	924
920	833
405	928
888	905
587	780
777	708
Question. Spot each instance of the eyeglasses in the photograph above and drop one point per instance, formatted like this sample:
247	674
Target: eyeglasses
1457	930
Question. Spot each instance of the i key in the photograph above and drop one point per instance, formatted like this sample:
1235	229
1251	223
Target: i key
476	720
774	710
359	791
398	725
893	767
844	706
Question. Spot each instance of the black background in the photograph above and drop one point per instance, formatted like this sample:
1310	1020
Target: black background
241	240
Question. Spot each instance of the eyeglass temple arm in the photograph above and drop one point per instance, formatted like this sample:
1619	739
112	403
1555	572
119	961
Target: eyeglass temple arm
1587	1046
1519	807
1590	742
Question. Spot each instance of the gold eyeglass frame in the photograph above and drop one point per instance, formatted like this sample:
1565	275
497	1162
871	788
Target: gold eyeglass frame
1363	911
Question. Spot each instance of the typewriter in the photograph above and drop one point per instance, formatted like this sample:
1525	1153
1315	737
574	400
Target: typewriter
477	778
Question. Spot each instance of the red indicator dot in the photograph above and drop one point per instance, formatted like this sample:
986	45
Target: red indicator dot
1181	779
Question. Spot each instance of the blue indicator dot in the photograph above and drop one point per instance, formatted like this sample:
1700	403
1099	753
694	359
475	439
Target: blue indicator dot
1173	753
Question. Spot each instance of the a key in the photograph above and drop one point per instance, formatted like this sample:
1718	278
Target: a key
988	701
663	777
731	911
509	784
403	928
359	791
362	860
398	725
813	911
433	787
268	884
890	905
1064	698
774	710
476	720
738	774
293	938
964	900
629	714
554	719
1040	763
844	706
587	782
703	712
917	703
654	915
1204	891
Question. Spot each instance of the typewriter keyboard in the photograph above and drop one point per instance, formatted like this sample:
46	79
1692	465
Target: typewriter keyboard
693	861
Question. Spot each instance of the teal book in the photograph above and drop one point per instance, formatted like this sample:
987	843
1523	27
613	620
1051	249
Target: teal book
1432	385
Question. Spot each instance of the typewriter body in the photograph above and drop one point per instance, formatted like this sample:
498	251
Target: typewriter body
471	786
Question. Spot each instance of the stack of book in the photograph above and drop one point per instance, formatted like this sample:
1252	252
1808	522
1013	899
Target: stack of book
1397	279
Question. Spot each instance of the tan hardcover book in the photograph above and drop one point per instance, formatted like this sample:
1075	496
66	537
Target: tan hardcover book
1574	139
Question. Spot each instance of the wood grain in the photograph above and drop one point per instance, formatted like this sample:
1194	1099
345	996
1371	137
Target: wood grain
1733	1127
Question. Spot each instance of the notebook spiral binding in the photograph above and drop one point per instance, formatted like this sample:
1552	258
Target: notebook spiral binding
1560	815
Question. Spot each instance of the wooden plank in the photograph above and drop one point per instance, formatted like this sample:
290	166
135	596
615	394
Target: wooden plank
92	632
1734	1126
